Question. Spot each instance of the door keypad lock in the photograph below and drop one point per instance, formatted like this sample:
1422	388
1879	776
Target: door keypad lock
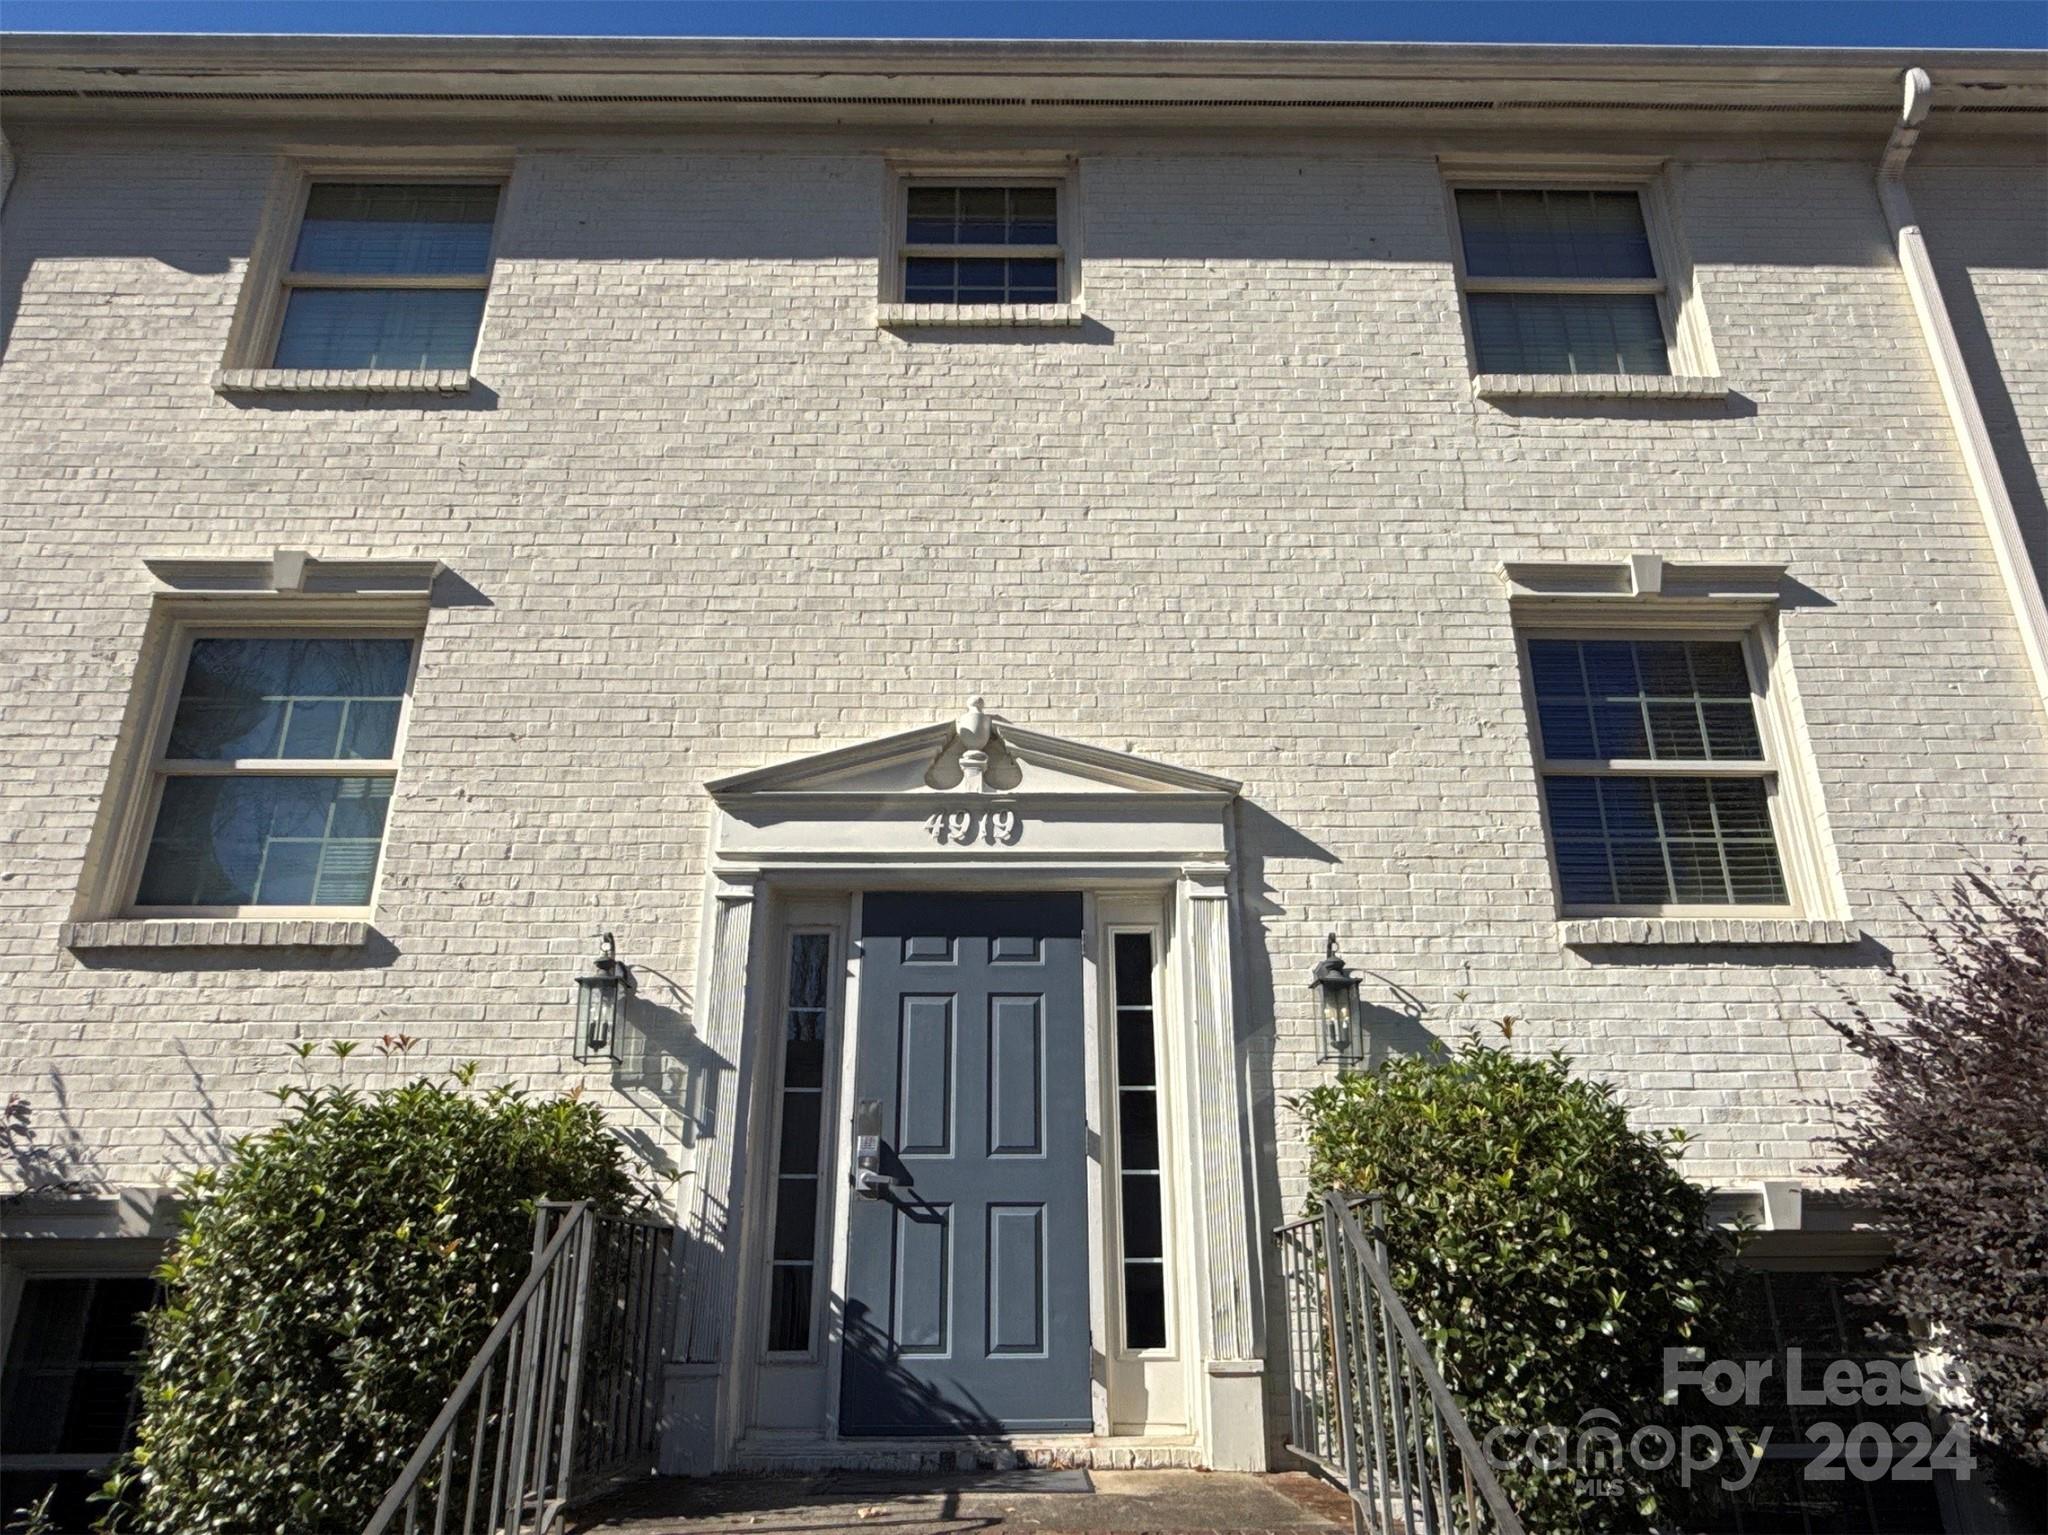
869	1181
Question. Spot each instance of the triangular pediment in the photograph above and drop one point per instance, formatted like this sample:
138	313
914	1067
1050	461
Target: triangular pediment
929	761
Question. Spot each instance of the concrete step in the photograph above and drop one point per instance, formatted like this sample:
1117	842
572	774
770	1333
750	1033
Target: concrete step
985	1503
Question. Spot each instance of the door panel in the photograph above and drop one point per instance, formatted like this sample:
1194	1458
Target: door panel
921	1293
924	1084
1016	1279
967	1282
1016	1107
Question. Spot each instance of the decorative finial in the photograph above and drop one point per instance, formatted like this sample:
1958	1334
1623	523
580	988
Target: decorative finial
973	730
972	726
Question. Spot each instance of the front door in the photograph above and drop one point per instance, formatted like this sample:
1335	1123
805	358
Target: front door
967	1274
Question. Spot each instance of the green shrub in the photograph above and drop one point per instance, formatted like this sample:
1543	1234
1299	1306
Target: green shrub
330	1283
1548	1252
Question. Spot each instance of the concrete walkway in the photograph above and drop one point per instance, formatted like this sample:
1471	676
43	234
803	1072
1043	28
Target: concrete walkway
983	1503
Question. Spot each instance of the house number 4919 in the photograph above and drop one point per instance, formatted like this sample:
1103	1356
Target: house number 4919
960	827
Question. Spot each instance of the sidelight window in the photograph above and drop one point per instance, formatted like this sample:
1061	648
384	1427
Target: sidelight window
1140	1175
793	1259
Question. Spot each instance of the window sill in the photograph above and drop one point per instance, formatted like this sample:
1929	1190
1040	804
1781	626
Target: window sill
339	380
216	933
1594	932
1599	386
962	316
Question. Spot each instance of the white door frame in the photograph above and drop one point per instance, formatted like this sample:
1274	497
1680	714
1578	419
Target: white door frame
1070	816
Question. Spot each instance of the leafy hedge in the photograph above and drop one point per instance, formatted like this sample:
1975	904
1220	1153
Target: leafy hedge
330	1284
1548	1251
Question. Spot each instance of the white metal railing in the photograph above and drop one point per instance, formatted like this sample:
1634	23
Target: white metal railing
1366	1404
564	1396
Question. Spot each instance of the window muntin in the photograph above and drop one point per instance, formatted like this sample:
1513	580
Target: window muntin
1561	280
991	243
275	777
1656	782
387	275
793	1251
1140	1167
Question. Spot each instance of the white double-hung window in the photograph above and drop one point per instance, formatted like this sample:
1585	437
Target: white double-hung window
1563	280
380	275
1658	783
271	782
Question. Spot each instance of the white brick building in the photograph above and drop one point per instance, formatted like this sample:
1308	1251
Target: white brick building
1251	499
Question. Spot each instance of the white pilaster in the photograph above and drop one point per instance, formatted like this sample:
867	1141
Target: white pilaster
708	1213
1231	1377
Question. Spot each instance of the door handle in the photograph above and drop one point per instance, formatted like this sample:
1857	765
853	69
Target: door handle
870	1183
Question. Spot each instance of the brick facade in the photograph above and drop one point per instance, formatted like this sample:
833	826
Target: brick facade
1248	518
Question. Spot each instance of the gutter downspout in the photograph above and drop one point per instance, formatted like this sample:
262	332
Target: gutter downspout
1994	500
6	167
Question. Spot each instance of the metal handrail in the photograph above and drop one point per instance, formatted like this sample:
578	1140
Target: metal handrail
535	1426
1367	1405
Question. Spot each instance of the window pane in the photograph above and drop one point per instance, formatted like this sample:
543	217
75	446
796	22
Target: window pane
1144	1305
796	1217
803	1063
1142	1238
1666	699
1660	841
1134	1064
1034	281
1133	969
789	1308
289	698
248	841
981	215
380	328
1138	1129
1034	216
396	230
928	280
931	212
800	1126
1590	333
808	953
1583	875
1538	233
984	215
980	280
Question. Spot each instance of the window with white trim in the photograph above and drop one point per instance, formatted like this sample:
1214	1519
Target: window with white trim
272	779
384	275
1562	280
793	1255
982	240
1659	786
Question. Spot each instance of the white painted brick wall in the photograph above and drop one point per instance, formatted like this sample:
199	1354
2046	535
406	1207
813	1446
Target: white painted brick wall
1249	518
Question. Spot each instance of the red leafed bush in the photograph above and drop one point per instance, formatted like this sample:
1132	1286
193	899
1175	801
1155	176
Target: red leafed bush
1950	1143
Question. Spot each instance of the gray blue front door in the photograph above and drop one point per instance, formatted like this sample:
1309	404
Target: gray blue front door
967	1277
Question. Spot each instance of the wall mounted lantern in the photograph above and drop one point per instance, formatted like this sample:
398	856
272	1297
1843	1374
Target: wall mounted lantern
1337	992
601	998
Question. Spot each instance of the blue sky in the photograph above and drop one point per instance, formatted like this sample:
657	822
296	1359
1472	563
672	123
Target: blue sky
1845	23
